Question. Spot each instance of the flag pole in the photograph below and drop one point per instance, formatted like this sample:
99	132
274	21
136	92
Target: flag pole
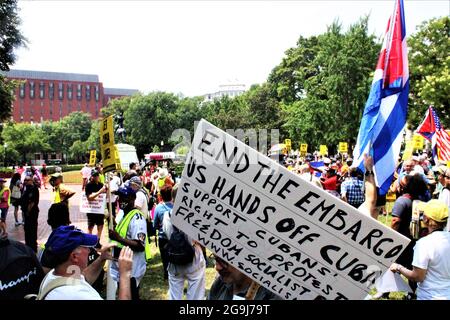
111	285
252	290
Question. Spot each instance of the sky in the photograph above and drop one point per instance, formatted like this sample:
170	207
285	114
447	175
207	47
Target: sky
187	47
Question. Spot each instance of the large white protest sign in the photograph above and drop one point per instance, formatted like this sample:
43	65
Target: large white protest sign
97	205
286	234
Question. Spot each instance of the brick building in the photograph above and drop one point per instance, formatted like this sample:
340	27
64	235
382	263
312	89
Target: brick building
45	96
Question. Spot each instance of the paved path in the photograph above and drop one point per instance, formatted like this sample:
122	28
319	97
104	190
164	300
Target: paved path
78	219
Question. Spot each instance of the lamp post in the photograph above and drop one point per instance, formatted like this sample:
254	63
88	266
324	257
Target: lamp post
162	145
5	145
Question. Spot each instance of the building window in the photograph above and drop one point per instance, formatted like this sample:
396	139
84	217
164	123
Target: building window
79	106
61	91
22	90
21	109
42	110
69	91
78	91
88	92
96	93
51	110
60	110
41	90
69	108
51	90
96	110
31	89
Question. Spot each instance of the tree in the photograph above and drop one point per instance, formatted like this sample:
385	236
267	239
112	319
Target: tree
116	106
78	151
429	63
150	119
10	39
324	83
262	107
26	139
227	113
75	126
93	142
288	77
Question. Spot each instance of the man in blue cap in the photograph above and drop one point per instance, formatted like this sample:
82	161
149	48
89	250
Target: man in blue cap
69	249
131	231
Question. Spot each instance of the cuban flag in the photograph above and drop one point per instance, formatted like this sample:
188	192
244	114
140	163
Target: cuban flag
384	118
432	130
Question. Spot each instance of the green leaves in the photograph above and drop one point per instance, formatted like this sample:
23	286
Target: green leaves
10	39
324	82
429	63
25	139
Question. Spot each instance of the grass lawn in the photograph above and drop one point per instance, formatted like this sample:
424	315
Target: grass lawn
72	177
153	286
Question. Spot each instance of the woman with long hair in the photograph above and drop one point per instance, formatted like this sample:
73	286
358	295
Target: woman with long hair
16	193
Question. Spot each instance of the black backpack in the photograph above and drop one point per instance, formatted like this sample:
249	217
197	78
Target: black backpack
178	249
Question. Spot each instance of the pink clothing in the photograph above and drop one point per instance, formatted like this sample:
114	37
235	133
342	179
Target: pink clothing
152	213
4	199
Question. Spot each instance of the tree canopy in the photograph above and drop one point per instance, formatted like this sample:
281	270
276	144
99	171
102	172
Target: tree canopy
324	83
429	63
10	39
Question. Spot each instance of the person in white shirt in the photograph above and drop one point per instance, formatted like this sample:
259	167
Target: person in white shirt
444	195
130	231
194	273
431	262
141	202
68	248
85	174
114	185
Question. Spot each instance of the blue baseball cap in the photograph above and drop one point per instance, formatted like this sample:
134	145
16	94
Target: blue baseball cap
67	238
126	191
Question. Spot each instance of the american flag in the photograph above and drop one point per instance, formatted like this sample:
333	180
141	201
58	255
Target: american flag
432	130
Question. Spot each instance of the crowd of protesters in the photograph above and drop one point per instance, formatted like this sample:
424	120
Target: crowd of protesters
425	262
71	264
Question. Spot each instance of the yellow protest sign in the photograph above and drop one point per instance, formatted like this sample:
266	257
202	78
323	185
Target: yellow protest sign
288	144
343	147
409	147
448	164
116	156
107	144
323	150
93	157
304	148
418	142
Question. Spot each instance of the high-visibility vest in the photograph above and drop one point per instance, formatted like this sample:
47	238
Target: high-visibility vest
122	229
56	196
9	194
161	182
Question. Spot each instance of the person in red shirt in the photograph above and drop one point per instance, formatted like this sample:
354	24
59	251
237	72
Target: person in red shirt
330	182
